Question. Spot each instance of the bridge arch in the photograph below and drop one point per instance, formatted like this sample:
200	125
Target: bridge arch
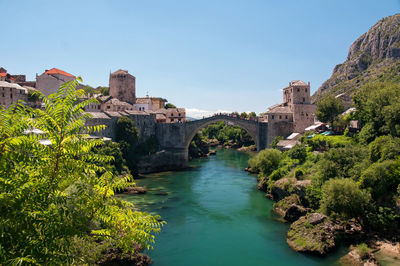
251	127
175	138
195	126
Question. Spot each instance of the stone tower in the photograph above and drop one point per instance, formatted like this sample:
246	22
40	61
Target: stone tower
123	86
297	92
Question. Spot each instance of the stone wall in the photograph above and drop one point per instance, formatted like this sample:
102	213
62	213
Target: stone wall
281	128
303	116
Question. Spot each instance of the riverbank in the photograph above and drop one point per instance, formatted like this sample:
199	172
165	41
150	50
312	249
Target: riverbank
206	208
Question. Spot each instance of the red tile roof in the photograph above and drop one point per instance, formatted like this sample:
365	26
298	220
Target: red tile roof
3	74
58	71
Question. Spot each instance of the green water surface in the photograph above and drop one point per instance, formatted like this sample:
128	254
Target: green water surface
216	216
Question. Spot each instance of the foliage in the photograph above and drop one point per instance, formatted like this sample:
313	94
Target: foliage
52	195
363	249
382	179
274	143
252	115
343	197
342	162
384	148
298	152
169	105
243	115
109	148
225	133
323	143
132	146
328	109
198	147
266	161
378	106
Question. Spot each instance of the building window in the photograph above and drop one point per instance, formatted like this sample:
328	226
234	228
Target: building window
3	94
172	114
286	117
10	89
172	120
179	120
306	114
298	89
179	114
306	89
272	116
304	99
280	117
108	107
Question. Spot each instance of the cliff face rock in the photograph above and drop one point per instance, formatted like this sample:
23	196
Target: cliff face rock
375	56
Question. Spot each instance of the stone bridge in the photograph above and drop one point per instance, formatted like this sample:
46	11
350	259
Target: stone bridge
176	137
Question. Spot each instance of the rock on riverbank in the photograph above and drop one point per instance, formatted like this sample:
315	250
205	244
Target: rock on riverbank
315	233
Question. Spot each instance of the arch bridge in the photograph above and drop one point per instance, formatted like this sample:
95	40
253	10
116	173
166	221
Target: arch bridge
176	137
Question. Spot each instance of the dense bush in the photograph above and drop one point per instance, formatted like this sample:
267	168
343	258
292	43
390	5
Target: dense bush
328	109
298	152
266	161
343	198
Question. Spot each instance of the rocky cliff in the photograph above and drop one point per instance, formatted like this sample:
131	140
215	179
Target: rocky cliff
375	56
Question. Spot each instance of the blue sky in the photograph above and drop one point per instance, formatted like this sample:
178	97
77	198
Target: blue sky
201	55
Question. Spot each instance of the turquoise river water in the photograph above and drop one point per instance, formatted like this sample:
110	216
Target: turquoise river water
216	216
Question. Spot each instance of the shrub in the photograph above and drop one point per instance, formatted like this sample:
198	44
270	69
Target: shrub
266	161
384	148
344	198
381	179
298	152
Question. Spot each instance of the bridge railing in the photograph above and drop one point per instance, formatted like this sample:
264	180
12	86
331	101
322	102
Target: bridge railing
224	115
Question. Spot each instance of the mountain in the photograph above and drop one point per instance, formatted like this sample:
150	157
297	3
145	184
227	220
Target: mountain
375	56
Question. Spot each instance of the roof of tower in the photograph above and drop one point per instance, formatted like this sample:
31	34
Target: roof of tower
58	71
297	83
120	71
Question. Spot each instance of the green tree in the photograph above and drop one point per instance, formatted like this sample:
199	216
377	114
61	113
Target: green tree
378	106
266	161
328	109
252	115
382	179
274	143
169	105
298	152
243	115
343	197
52	195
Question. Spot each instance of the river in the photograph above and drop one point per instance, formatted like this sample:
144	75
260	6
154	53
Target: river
216	216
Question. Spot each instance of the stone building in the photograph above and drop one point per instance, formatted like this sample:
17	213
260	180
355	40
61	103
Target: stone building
11	92
150	103
110	104
123	86
171	115
51	80
295	113
144	104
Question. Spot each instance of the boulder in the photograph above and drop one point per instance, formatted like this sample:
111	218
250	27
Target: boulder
299	188
263	184
315	233
280	189
290	208
305	237
135	190
295	212
316	218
